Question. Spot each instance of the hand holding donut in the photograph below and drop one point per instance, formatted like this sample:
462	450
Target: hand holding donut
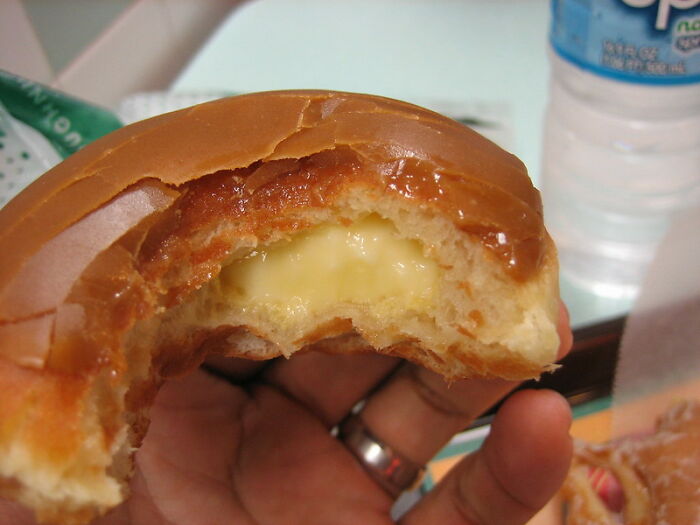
240	442
260	226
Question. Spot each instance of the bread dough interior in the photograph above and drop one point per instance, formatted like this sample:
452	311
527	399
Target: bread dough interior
365	264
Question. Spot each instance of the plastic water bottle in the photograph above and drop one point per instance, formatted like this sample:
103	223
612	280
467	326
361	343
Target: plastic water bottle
622	135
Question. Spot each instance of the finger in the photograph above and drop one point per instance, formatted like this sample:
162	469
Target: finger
330	384
12	513
566	337
417	411
517	471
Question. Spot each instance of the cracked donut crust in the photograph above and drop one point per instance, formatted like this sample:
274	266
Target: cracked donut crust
111	263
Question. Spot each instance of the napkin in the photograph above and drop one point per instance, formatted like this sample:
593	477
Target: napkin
659	359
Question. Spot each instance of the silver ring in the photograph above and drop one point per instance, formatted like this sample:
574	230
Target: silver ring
391	469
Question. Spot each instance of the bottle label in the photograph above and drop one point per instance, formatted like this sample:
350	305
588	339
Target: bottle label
643	41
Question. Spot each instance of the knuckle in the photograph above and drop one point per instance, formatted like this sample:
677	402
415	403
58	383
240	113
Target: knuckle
436	397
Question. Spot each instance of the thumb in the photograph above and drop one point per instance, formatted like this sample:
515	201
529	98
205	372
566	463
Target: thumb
521	465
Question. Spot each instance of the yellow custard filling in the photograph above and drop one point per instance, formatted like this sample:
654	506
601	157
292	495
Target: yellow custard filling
365	264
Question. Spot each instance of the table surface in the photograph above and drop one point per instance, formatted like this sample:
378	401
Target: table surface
430	52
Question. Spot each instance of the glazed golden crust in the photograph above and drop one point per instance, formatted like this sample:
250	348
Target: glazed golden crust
108	281
237	132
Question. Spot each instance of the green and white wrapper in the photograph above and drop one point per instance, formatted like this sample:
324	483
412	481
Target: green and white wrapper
39	127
